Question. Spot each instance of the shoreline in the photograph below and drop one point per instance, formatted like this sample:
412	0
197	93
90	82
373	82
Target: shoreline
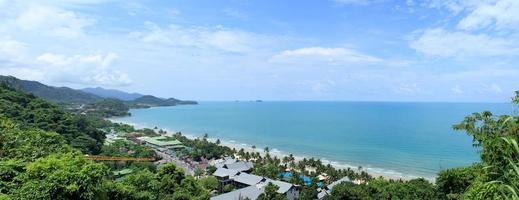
375	172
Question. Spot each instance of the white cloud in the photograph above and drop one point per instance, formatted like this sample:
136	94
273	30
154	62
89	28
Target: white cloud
442	43
11	49
51	21
201	37
456	6
64	61
83	69
313	55
503	14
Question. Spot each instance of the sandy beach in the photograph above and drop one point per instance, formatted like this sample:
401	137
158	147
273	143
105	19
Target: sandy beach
277	153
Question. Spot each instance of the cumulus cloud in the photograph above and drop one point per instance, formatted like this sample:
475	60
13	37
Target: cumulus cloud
502	14
486	28
50	20
218	37
333	56
83	69
442	43
11	50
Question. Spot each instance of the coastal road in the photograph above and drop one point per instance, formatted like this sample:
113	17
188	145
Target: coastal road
166	158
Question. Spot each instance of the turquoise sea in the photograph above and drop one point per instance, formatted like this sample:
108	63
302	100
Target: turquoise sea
396	139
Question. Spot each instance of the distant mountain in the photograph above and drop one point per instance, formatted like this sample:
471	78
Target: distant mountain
152	101
50	93
97	98
111	93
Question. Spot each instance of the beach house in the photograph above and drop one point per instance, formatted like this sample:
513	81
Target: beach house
328	189
248	185
253	191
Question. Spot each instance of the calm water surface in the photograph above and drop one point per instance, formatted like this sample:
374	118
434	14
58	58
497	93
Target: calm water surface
399	139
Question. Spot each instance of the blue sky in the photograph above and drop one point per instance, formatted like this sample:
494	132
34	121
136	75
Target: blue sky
359	50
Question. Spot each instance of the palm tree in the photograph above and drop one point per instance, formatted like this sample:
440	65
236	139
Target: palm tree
286	160
267	150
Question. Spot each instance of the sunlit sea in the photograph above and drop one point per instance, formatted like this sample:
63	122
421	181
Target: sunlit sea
396	139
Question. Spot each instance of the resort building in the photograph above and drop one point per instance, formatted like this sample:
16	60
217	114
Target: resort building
251	192
328	189
161	142
244	180
248	185
224	177
240	166
289	190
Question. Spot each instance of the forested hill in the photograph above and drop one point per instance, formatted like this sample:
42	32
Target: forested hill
30	111
50	93
111	93
105	102
40	158
148	100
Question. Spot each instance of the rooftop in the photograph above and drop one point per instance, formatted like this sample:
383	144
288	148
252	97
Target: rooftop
160	141
239	166
283	186
343	179
248	179
222	172
251	192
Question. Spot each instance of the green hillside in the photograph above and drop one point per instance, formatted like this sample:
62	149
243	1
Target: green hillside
152	101
30	111
62	95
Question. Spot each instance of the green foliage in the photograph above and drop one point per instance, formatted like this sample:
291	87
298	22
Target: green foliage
139	185
488	132
210	183
271	193
125	148
308	193
193	188
508	185
228	188
202	148
49	93
210	169
32	112
454	182
124	128
152	101
28	144
170	177
168	183
198	172
385	189
62	176
105	108
515	99
9	169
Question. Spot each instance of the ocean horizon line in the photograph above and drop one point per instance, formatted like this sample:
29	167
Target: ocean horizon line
357	101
